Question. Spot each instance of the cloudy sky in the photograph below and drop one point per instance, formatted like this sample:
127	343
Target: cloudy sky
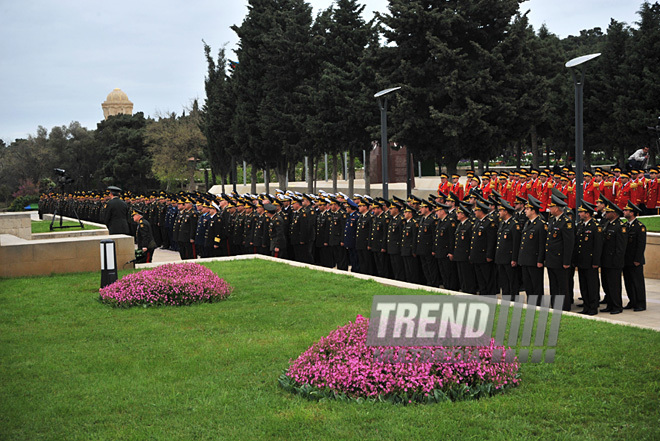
60	59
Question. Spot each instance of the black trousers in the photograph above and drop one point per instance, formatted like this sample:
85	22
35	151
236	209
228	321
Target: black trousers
612	286
353	260
339	257
411	267
186	250
430	270
365	260
398	270
449	273
486	282
466	277
507	277
558	278
589	288
380	258
633	278
533	282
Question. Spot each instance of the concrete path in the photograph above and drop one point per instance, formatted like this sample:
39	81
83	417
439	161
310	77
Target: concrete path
646	319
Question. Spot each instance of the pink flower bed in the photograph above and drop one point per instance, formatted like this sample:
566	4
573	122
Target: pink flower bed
171	284
341	365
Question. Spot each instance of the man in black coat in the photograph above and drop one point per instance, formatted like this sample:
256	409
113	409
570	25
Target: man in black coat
482	249
443	246
116	213
461	254
425	236
586	257
276	230
633	270
615	238
559	244
144	235
532	250
409	245
506	253
394	235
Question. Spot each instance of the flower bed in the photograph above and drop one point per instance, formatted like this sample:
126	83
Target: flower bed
341	366
171	284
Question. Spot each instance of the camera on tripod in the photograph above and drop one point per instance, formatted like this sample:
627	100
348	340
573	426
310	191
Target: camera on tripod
62	177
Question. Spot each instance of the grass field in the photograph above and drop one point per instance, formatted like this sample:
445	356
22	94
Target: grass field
652	223
44	226
74	369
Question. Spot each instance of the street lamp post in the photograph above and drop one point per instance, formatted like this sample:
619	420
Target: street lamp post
577	71
382	103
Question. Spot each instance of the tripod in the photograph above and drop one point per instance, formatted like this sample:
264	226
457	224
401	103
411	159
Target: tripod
59	210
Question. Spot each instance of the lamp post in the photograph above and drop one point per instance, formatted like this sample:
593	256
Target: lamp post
382	103
577	71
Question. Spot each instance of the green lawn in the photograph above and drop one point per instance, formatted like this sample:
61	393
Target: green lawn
74	369
652	223
44	226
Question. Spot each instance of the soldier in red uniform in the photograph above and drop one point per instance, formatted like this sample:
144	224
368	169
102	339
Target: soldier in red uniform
456	187
607	188
444	187
486	185
624	194
588	188
544	191
652	192
598	183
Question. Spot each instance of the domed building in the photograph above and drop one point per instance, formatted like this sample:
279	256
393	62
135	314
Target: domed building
117	102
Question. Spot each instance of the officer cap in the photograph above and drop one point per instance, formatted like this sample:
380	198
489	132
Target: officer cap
270	208
625	175
453	197
496	194
456	176
441	195
136	211
586	206
376	204
616	169
533	203
558	193
439	206
556	202
504	205
653	170
632	207
351	204
427	204
462	208
613	207
444	175
363	202
481	206
408	208
603	199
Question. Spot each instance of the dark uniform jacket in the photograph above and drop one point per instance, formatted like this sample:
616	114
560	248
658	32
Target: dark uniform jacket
508	242
336	223
445	237
636	243
395	234
588	244
425	235
276	233
483	241
378	239
463	241
322	225
409	237
615	239
144	236
350	230
532	242
363	231
559	242
116	217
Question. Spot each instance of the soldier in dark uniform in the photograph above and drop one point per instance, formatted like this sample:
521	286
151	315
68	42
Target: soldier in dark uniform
308	227
615	238
633	270
378	239
532	250
143	235
394	236
336	224
482	249
185	233
409	244
362	238
321	237
425	238
586	257
461	254
506	253
276	232
350	233
295	231
443	246
116	213
560	240
200	231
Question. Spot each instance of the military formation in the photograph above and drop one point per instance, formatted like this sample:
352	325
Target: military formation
497	234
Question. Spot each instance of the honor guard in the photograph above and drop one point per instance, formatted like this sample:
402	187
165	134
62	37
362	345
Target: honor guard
586	257
615	239
532	250
560	240
633	270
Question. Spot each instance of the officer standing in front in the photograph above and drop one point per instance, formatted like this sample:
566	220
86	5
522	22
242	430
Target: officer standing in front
633	270
506	253
586	257
615	238
532	250
559	252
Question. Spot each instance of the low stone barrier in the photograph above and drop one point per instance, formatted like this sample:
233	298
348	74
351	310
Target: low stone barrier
20	257
17	224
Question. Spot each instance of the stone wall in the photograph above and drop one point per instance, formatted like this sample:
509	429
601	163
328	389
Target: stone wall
20	257
16	224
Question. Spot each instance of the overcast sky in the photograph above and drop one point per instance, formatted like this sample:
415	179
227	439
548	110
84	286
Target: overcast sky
60	59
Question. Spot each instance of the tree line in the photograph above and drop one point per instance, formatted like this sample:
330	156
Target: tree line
477	82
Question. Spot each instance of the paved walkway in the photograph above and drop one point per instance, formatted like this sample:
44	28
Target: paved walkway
645	319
